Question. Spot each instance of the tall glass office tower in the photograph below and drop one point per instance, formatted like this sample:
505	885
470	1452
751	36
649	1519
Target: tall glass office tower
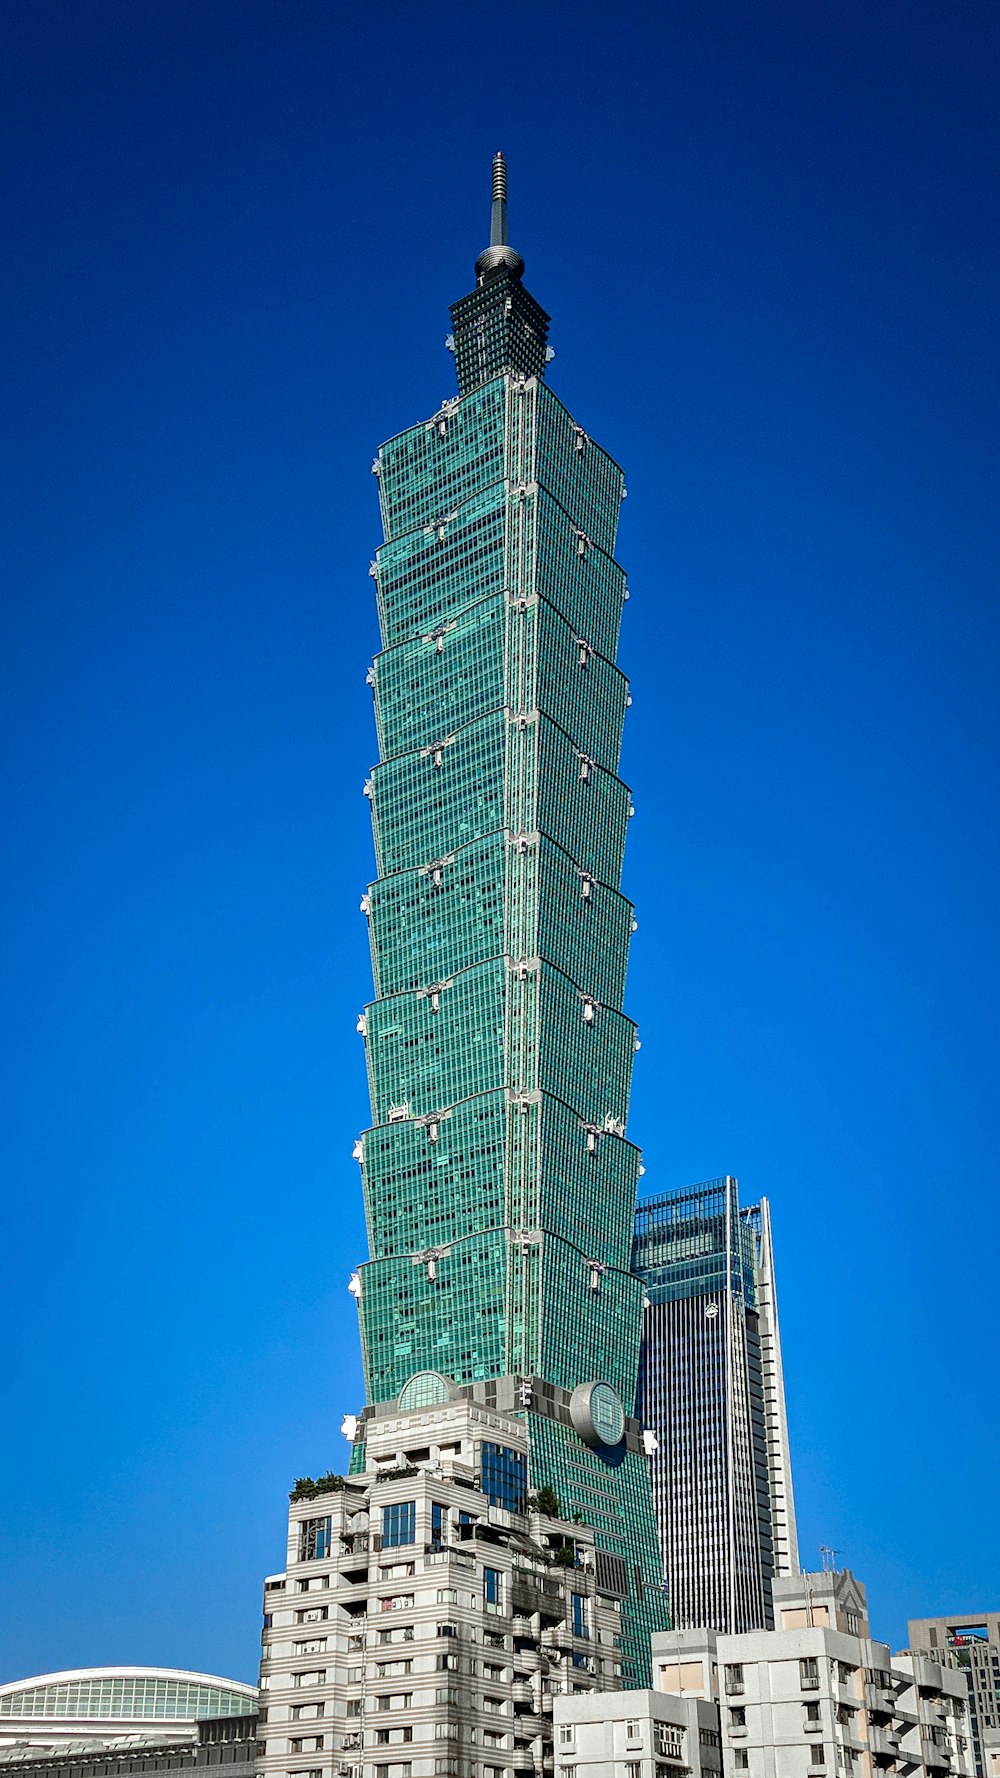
711	1390
499	1182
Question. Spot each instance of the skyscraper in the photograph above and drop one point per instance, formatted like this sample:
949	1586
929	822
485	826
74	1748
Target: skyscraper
499	1182
711	1391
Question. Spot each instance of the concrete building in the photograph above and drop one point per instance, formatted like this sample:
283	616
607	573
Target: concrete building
99	1707
817	1697
991	1753
973	1641
431	1613
638	1734
711	1391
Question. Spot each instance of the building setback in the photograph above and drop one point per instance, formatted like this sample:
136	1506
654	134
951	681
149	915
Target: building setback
499	1182
712	1393
973	1642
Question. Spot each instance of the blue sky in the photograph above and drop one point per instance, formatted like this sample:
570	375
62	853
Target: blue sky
766	235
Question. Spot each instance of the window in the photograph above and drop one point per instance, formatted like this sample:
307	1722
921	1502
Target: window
392	1737
741	1759
396	1602
445	1731
314	1539
738	1717
734	1677
399	1524
447	1596
565	1734
494	1704
580	1615
493	1589
504	1476
491	1738
355	1706
668	1740
389	1669
492	1672
447	1663
394	1701
809	1673
316	1646
313	1614
447	1629
817	1756
633	1768
631	1730
812	1713
316	1677
439	1519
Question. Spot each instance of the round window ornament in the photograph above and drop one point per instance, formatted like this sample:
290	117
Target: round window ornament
711	1311
426	1389
597	1414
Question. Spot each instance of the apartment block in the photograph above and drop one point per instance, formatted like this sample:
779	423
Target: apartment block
973	1642
639	1734
431	1613
817	1697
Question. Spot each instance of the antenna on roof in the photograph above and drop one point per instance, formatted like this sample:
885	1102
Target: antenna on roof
498	216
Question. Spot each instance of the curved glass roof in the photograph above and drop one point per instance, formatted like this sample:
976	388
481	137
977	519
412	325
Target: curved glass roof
127	1694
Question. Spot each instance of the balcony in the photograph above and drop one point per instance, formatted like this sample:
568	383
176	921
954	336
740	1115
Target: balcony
884	1744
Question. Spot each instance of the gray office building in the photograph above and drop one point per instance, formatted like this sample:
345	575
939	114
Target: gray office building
711	1392
972	1639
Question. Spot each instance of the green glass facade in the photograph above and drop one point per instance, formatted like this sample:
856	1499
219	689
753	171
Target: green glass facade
499	1183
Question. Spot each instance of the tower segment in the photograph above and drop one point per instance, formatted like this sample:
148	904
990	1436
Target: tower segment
499	1180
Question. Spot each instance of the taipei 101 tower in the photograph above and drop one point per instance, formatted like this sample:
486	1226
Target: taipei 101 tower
499	1180
500	1319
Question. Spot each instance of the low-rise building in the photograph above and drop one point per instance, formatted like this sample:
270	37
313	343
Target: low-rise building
229	1741
101	1706
817	1697
972	1641
638	1734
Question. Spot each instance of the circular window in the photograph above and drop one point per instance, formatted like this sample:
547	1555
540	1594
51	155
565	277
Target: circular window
427	1389
597	1414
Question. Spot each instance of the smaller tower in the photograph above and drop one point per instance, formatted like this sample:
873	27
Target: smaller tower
712	1393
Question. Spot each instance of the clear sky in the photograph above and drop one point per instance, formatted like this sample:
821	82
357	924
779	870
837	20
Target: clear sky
766	233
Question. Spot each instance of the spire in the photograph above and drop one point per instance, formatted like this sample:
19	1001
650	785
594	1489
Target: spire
498	216
499	255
